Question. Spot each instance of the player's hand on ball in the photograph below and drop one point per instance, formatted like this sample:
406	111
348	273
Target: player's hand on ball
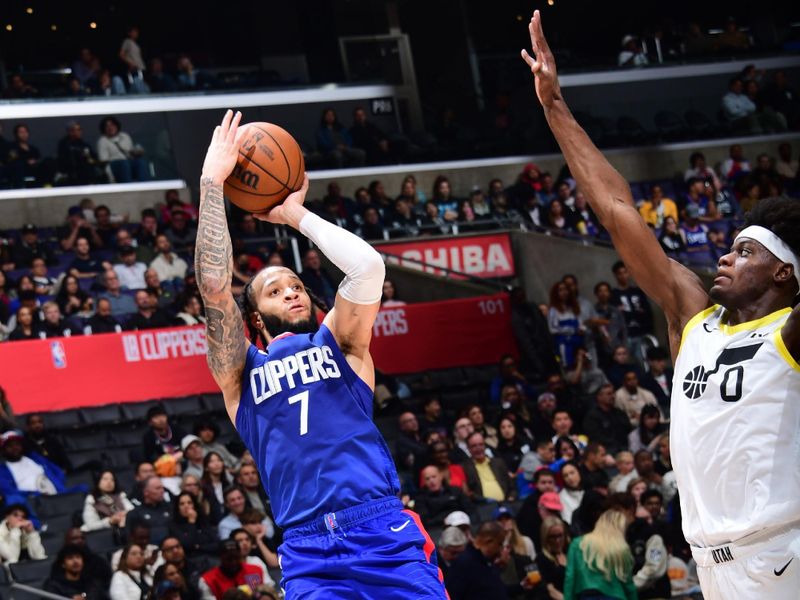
287	213
543	66
223	149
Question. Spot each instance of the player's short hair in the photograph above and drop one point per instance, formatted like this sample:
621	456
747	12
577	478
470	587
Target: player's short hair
651	494
781	216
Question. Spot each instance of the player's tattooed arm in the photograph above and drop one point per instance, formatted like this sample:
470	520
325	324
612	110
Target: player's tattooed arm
227	344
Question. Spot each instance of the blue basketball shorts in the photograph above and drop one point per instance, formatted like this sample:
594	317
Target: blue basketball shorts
376	550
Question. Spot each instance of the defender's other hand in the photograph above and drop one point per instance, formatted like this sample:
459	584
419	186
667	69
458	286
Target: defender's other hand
543	66
287	213
223	149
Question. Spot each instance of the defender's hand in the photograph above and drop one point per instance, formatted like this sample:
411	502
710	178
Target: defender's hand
290	211
223	149
543	66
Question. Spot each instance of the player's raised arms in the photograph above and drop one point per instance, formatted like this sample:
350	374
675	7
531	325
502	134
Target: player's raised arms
677	290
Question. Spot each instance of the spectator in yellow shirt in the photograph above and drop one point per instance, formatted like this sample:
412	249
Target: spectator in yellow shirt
658	208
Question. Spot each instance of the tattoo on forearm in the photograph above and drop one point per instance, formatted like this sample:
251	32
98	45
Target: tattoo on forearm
214	266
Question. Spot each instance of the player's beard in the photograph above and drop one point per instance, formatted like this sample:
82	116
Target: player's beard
276	326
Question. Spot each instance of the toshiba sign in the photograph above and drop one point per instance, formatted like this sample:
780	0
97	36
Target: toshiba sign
480	255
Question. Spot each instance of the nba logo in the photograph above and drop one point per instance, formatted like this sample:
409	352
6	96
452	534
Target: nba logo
58	354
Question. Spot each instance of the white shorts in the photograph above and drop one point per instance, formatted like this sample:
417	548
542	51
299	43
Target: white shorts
762	565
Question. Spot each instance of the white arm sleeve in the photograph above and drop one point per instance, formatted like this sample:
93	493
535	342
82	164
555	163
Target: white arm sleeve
362	266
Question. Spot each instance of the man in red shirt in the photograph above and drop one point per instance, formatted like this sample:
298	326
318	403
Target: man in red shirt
232	572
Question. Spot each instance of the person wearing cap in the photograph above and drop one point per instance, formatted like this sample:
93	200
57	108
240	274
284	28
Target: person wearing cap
487	478
77	162
39	439
631	54
193	454
232	572
70	579
18	536
162	437
436	499
520	544
452	542
130	271
461	520
29	247
167	264
76	227
27	473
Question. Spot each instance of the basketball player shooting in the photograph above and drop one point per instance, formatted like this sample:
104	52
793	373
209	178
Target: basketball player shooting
303	406
736	399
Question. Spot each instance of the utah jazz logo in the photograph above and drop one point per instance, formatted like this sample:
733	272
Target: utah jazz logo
731	387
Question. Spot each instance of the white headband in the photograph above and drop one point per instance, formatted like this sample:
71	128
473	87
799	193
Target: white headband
774	244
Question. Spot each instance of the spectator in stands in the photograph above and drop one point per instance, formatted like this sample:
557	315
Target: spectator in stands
130	272
647	434
543	456
371	228
249	481
158	80
335	142
735	166
191	527
71	297
123	239
658	379
190	78
124	158
450	546
44	443
316	278
452	474
44	284
560	219
389	297
442	197
131	55
658	208
29	247
740	110
102	321
626	472
509	374
630	398
601	561
635	307
70	578
86	67
232	572
583	215
609	330
368	137
435	500
172	201
95	567
162	437
520	545
19	88
786	167
479	424
106	225
474	575
645	467
19	539
552	561
487	478
208	432
27	472
564	320
191	312
698	169
77	161
246	545
765	174
25	162
592	468
190	568
193	454
731	38
84	265
148	315
164	291
181	232
214	481
696	196
512	444
782	98
171	588
106	505
606	424
147	231
120	304
631	54
695	236
131	579
586	377
410	448
571	494
154	511
25	328
235	504
671	239
533	339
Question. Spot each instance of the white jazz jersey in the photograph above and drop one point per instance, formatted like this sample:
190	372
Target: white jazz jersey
735	428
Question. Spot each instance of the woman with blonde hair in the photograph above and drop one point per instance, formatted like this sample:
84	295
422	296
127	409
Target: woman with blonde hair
520	544
600	564
553	559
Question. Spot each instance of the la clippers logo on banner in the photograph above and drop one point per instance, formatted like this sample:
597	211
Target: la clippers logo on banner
479	255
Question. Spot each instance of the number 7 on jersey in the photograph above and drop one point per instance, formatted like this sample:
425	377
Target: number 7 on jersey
302	398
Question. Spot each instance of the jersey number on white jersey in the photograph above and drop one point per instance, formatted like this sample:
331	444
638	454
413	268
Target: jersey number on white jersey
730	388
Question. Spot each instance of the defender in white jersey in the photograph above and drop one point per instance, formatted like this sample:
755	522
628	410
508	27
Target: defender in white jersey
735	430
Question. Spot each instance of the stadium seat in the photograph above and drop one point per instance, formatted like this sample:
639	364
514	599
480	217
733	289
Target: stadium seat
32	571
117	457
213	403
101	415
83	477
84	440
52	544
57	525
457	401
126	434
59	505
486	512
102	540
61	419
188	405
671	127
699	124
136	411
84	459
632	131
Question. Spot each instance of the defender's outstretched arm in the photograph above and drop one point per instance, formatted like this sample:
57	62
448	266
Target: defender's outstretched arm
677	290
227	344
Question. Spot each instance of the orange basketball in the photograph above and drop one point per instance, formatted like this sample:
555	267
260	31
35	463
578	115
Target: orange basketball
270	167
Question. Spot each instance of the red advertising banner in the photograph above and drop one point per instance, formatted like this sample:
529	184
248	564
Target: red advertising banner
55	374
478	255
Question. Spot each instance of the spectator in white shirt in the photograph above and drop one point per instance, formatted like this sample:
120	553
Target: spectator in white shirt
167	264
129	271
17	533
739	110
632	54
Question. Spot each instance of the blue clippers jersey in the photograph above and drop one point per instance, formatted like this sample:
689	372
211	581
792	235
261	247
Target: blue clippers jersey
306	417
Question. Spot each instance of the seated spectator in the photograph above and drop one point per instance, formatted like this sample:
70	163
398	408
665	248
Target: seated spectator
657	208
154	512
543	456
739	110
436	499
148	314
208	432
232	572
159	81
449	547
695	236
371	228
162	437
84	266
782	98
671	239
250	481
144	471
235	504
71	297
131	580
452	474
647	434
95	566
316	278
520	545
172	201
698	169
474	574
620	364
786	167
698	198
632	54
19	88
147	231
479	424
487	478
25	325
168	589
77	160
78	226
106	505
246	546
181	232
167	264
53	325
335	142
190	78
27	472
29	247
512	445
625	473
592	468
735	166
572	493
552	560
446	203
70	578
189	569
191	527
586	377
123	239
630	398
561	219
215	481
19	539
44	284
124	158
193	454
368	137
601	561
584	216
25	162
410	448
605	424
41	441
192	311
102	321
564	322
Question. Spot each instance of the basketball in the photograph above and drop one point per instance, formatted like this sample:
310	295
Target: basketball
270	167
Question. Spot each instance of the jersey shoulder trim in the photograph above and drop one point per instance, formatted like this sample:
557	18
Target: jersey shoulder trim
780	345
695	321
753	325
